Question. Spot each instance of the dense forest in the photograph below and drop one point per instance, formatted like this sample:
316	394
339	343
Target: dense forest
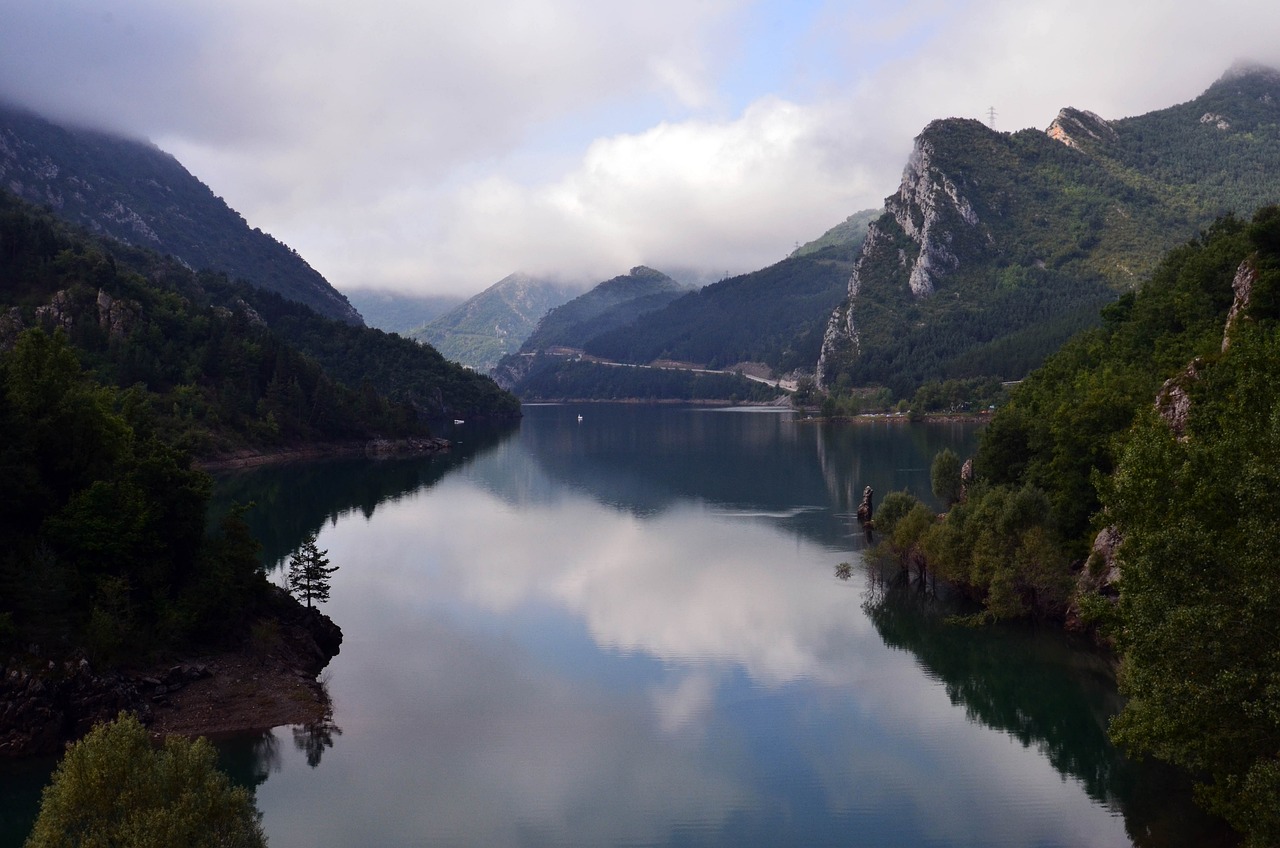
104	544
398	368
116	367
1159	431
196	352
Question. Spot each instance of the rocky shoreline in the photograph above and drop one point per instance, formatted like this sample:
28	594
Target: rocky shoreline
269	681
374	448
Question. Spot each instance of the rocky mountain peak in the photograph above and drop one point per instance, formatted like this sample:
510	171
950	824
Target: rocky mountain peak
1074	127
926	198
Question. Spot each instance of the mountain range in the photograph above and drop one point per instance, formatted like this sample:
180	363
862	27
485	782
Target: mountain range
994	250
768	321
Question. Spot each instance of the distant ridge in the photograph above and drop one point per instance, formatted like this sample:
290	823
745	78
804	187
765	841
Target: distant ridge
136	193
495	322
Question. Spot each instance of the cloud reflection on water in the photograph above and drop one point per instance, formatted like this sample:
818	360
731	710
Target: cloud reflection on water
718	616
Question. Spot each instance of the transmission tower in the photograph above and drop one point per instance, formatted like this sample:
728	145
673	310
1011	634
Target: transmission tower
991	117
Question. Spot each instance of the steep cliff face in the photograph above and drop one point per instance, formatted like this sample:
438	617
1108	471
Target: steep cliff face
136	193
926	228
929	209
997	247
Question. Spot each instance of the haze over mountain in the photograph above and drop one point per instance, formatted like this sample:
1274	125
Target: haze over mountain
494	323
613	303
396	312
138	194
998	246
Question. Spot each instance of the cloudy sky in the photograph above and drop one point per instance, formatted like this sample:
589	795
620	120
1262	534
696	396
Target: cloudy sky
435	147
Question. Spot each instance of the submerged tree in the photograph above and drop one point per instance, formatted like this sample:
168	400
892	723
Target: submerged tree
945	476
309	572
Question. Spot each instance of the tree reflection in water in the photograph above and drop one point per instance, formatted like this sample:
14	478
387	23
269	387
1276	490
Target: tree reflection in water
249	760
314	738
1044	688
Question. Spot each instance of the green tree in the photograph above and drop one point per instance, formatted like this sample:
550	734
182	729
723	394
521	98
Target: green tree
309	572
114	790
1200	588
945	475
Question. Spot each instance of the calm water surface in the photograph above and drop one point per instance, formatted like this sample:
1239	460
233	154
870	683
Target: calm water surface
628	630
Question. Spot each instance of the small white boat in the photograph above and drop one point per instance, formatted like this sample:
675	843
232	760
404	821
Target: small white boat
579	419
458	421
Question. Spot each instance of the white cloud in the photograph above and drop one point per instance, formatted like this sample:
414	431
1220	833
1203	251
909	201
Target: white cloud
440	146
731	195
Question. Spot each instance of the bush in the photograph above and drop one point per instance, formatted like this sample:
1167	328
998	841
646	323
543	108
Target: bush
113	789
893	509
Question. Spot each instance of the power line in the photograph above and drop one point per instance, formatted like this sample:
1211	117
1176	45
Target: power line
991	116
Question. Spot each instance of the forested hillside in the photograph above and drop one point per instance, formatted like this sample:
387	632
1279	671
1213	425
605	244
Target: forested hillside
772	316
194	353
136	193
103	546
998	247
610	304
852	231
401	369
1156	433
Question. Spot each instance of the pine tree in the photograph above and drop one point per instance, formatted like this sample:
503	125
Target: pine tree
309	571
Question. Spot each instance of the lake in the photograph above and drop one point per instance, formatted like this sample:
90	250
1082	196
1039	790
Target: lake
629	630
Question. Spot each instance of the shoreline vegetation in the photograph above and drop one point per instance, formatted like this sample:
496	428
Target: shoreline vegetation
1128	486
125	377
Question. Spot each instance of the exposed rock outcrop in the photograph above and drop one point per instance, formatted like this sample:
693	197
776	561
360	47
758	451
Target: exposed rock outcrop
48	702
966	478
57	312
1215	119
929	208
1079	127
1242	287
926	191
1101	574
1173	401
1099	577
11	326
117	317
